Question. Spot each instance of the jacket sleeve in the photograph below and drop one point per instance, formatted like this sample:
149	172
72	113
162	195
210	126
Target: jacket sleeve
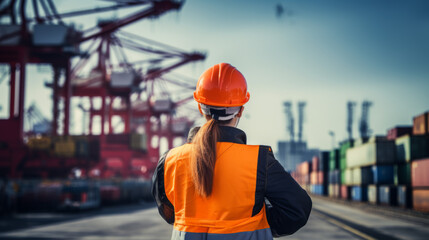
289	205
165	208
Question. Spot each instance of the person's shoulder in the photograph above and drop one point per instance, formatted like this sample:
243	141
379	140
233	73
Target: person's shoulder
178	152
268	152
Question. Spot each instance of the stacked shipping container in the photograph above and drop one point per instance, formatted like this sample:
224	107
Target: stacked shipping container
388	170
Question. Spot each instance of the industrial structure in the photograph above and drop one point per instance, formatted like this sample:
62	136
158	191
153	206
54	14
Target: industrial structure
137	110
295	151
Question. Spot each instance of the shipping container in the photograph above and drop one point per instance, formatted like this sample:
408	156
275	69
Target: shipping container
411	147
180	125
362	175
419	173
383	174
388	195
373	194
122	79
315	164
321	177
324	161
399	131
161	103
64	147
317	189
378	150
343	153
334	177
313	178
420	124
50	34
334	190
421	199
360	193
138	141
347	176
345	192
402	174
41	143
334	159
304	168
321	189
404	196
305	179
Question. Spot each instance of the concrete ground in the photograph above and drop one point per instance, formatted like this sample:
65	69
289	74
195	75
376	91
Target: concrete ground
329	220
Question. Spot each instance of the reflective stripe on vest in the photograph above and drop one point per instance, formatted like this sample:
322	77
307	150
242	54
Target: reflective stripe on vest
228	210
260	234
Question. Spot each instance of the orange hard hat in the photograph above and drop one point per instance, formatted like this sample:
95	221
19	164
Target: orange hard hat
222	85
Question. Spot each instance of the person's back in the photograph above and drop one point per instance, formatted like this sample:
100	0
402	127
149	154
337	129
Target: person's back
215	186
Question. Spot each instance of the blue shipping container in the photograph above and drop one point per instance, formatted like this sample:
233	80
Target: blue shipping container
360	193
404	196
320	189
388	195
384	174
334	176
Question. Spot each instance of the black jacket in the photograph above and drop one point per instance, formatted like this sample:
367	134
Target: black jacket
288	205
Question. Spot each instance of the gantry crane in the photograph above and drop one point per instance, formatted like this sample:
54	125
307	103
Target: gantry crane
115	80
364	130
35	32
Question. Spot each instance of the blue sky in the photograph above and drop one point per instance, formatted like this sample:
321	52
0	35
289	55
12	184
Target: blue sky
323	52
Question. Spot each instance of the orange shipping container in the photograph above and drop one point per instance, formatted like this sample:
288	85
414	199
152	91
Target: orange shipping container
419	173
315	164
304	168
345	192
313	178
420	124
321	177
421	200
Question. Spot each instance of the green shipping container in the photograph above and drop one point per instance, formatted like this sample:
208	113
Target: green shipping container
347	176
376	151
411	147
343	153
334	159
402	174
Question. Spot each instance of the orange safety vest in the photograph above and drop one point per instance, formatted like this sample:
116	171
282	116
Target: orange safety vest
232	208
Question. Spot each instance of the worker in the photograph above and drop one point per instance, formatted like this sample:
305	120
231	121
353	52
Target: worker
217	187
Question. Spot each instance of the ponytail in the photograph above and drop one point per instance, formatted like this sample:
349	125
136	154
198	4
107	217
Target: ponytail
203	157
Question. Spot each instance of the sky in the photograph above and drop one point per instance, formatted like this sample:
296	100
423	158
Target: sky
322	52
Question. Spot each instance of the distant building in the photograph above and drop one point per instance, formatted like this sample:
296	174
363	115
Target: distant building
290	154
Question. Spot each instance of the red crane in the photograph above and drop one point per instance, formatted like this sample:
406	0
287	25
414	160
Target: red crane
148	117
28	39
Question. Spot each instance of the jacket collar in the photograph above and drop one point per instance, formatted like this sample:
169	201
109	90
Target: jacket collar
227	134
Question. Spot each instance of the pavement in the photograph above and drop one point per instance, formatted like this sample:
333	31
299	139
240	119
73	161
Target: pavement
328	220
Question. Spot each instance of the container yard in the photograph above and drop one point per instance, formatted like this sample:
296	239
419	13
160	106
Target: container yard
93	93
386	170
